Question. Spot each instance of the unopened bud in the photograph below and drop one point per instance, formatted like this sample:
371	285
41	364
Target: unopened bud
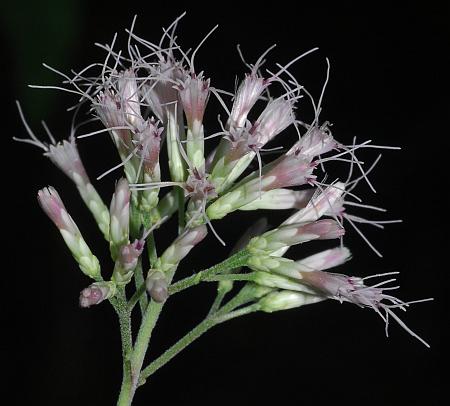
97	293
277	116
293	234
120	216
280	199
316	141
53	206
325	259
126	262
286	299
181	247
156	285
130	253
280	282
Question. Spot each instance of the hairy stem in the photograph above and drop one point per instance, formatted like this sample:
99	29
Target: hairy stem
139	281
149	319
190	337
148	323
217	301
121	307
229	277
136	297
235	261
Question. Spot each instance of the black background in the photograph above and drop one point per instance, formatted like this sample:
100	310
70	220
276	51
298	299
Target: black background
388	83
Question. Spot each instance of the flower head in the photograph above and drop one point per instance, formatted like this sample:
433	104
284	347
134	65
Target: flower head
65	156
354	290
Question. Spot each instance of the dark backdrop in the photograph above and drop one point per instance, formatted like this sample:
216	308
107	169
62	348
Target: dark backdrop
388	83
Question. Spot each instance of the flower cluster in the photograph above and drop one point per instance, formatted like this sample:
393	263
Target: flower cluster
152	95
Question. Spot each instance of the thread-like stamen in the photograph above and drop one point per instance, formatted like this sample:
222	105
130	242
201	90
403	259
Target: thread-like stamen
364	238
192	68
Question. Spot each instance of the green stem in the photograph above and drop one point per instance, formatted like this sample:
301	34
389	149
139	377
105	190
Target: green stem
153	311
135	298
244	296
230	277
121	307
148	323
139	281
181	209
145	332
151	249
237	260
189	338
217	301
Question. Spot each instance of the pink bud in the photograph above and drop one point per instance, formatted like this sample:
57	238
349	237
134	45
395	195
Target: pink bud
156	285
51	203
289	170
184	244
277	116
96	293
315	142
194	94
325	259
120	213
324	229
129	254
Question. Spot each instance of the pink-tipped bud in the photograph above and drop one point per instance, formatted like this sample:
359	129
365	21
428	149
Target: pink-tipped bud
156	285
286	299
325	259
129	96
194	94
51	203
120	214
290	170
53	206
323	229
283	237
66	157
277	116
315	142
129	255
182	246
246	96
96	293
